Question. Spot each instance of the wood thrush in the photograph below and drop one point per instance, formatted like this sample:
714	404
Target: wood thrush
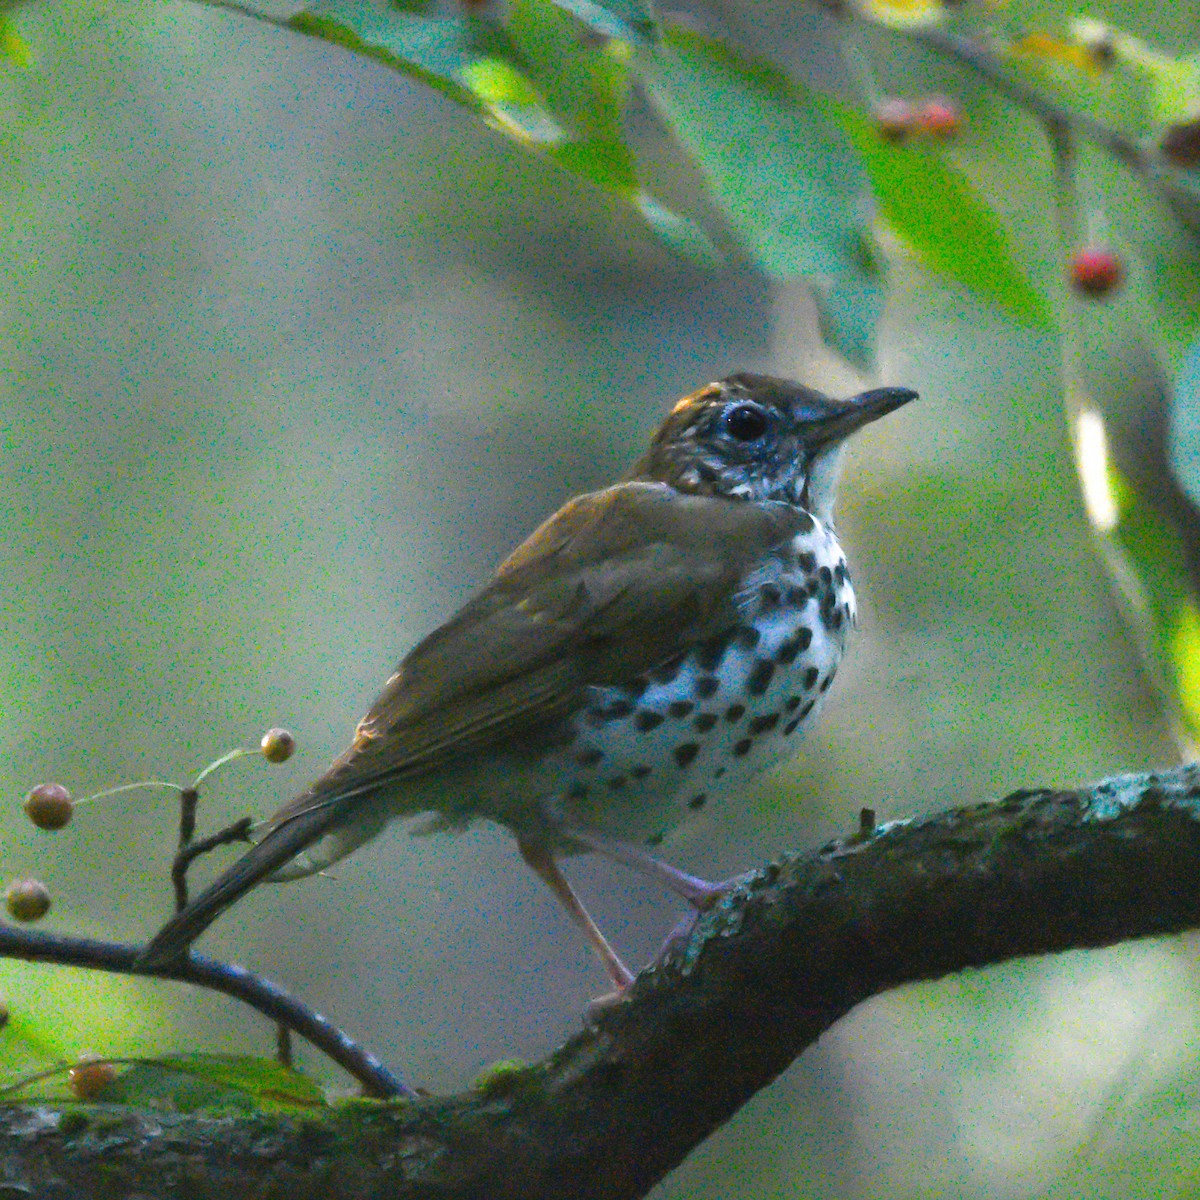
647	648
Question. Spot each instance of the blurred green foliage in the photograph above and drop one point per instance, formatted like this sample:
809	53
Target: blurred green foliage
295	348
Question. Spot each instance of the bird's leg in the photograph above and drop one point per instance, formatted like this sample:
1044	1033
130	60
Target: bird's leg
699	893
542	862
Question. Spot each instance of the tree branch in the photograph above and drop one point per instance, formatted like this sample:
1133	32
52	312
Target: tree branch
765	973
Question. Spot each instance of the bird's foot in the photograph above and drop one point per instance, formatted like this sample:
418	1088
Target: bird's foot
705	894
702	901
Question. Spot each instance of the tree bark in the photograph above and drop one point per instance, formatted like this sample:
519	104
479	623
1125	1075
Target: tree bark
764	974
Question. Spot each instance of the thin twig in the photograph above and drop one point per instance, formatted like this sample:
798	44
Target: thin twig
189	799
239	831
228	978
1066	199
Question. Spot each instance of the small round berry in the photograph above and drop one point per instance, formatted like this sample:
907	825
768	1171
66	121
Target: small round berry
27	900
49	806
939	117
278	745
894	118
88	1078
1095	271
1180	144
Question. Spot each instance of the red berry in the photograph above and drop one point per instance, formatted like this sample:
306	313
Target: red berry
27	899
278	745
939	117
895	119
49	806
88	1079
1095	271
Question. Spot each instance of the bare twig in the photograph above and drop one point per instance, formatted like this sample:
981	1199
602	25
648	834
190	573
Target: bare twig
190	850
259	993
189	800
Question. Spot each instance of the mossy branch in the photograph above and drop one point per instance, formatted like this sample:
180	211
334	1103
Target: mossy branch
764	974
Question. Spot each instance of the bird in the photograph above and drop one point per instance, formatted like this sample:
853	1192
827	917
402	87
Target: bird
646	649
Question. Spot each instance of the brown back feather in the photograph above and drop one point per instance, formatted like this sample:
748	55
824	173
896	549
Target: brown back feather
612	585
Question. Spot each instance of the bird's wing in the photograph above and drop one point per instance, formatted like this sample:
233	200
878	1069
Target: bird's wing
614	584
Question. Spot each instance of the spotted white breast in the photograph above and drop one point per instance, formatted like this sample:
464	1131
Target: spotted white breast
642	757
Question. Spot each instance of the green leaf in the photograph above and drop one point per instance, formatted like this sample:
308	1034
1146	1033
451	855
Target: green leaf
628	20
1174	82
936	211
585	87
1185	425
785	174
1155	576
438	51
512	103
584	84
1177	90
543	82
608	164
58	1015
1161	253
188	1082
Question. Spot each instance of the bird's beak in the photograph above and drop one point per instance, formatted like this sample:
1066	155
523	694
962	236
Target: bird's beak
847	416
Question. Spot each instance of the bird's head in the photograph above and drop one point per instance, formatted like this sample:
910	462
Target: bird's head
753	437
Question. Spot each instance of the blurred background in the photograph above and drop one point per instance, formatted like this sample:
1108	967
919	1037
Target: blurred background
294	351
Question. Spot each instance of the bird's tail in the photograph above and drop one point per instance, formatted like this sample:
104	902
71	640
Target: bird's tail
280	846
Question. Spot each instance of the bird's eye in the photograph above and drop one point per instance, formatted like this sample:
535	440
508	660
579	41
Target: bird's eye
745	422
